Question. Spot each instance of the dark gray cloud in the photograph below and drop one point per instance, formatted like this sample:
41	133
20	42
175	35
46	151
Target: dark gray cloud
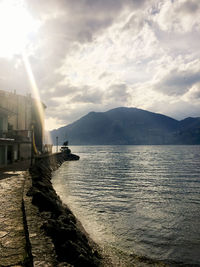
189	6
86	99
48	57
65	25
88	95
51	103
79	20
117	93
60	91
76	20
65	90
48	80
42	8
104	74
87	54
177	82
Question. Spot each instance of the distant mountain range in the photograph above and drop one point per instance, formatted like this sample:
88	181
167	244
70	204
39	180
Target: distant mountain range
129	126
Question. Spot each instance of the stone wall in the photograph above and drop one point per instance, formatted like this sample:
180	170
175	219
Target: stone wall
56	237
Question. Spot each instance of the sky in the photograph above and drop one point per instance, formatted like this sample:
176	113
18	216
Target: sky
95	55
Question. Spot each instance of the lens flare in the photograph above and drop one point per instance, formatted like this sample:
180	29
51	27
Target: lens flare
36	95
33	85
16	27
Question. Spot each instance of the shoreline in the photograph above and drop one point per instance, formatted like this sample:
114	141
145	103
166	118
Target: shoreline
73	246
54	236
117	258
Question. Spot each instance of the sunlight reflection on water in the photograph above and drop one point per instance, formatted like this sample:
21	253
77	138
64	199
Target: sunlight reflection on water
140	199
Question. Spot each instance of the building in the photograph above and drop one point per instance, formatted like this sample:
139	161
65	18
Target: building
21	127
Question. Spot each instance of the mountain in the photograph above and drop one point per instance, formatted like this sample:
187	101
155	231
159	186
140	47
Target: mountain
129	126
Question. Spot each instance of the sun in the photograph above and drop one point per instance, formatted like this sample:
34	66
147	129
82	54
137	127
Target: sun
16	27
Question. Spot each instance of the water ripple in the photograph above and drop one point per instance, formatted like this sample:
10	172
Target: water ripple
141	199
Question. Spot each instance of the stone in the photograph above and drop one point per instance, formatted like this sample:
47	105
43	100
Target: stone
12	236
71	244
3	234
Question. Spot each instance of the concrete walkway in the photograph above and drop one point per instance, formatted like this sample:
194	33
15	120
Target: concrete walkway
12	235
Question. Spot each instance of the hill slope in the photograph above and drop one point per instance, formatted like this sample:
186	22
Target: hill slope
129	126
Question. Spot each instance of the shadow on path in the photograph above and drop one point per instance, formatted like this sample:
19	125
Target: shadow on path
14	169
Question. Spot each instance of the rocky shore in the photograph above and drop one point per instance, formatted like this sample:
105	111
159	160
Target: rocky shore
72	245
38	230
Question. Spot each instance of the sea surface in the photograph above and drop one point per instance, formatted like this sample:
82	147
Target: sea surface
141	200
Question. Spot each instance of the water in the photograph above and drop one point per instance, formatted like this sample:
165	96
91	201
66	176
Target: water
142	200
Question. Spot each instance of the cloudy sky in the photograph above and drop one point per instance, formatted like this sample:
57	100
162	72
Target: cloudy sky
94	55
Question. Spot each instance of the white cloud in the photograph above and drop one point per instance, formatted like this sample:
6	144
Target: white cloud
178	78
179	16
100	54
193	94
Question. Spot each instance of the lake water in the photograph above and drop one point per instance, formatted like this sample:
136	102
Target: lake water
142	200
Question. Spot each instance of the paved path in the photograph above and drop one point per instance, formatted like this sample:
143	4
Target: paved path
13	169
12	237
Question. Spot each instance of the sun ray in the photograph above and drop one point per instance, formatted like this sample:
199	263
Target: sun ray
35	91
33	84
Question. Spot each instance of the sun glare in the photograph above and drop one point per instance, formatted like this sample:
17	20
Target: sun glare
16	27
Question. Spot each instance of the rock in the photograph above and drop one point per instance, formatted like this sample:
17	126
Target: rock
72	246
